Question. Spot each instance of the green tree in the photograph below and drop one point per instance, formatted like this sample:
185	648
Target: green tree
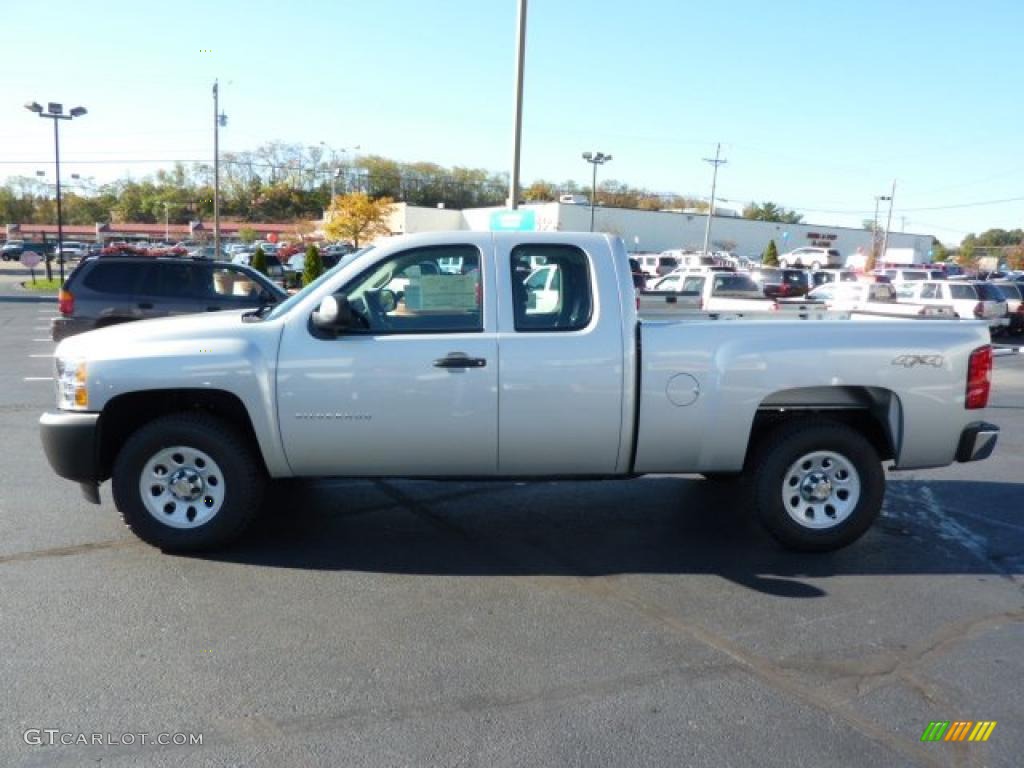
247	235
259	261
770	257
313	266
771	212
356	217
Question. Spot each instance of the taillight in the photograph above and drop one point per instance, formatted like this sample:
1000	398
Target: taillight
65	302
775	306
700	303
784	289
979	310
979	378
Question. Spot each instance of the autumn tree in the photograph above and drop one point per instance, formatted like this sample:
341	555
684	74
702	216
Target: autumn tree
540	192
247	235
356	217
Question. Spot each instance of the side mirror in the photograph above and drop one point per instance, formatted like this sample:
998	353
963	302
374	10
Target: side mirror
334	314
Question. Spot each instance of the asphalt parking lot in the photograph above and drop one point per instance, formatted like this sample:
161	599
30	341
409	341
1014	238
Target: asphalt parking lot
616	623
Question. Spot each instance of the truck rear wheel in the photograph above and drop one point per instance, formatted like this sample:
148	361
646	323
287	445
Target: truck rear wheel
818	485
187	482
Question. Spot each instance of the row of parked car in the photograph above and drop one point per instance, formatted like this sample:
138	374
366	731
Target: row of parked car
891	292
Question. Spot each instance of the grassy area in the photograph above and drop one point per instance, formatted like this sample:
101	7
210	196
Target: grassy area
42	285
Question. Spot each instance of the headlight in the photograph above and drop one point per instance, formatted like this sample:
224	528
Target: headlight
72	385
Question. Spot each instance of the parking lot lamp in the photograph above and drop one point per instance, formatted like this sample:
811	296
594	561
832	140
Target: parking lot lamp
219	120
55	112
595	159
888	221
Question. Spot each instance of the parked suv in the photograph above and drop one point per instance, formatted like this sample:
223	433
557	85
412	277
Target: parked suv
106	290
813	257
972	299
782	283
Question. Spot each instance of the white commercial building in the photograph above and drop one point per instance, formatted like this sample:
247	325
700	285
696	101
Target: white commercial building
660	230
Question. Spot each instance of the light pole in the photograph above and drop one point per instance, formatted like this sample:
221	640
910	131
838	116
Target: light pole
55	112
888	222
219	119
517	128
595	159
874	232
335	168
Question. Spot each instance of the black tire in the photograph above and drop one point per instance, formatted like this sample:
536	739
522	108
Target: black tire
241	480
773	467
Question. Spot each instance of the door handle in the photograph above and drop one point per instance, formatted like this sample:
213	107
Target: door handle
459	360
145	305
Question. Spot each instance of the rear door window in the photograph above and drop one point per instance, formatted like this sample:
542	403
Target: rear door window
116	277
989	292
962	291
693	284
566	303
183	281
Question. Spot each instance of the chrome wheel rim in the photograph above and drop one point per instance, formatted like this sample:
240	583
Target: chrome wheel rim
182	487
820	490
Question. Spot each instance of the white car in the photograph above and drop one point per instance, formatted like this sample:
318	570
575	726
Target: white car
970	299
876	298
813	257
718	291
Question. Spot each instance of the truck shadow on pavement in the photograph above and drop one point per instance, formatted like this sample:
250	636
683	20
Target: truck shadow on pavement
660	525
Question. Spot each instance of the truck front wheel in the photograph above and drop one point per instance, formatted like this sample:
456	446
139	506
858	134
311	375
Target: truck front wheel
818	485
187	482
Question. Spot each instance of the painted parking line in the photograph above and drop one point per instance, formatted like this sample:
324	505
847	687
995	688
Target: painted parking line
49	355
50	340
38	378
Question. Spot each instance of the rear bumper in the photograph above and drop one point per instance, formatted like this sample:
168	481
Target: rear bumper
71	444
62	327
977	441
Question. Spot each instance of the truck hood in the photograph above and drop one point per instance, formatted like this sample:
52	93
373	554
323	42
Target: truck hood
117	340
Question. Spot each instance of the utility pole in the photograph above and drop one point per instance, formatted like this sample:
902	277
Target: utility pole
888	223
711	208
219	120
513	191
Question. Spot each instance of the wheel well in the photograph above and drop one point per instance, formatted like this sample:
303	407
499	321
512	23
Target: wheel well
872	412
126	413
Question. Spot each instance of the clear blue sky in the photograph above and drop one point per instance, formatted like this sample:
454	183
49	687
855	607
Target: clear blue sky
818	105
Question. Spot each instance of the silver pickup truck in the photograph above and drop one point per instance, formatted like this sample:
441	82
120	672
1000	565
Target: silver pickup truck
389	365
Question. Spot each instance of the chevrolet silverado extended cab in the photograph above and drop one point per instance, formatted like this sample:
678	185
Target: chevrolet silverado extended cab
390	366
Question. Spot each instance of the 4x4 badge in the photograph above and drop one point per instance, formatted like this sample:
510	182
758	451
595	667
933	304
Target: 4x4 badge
909	361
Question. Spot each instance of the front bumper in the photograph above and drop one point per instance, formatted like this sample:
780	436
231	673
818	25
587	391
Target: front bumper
977	441
71	443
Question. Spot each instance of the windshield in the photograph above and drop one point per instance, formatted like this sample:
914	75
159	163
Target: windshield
734	285
285	306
